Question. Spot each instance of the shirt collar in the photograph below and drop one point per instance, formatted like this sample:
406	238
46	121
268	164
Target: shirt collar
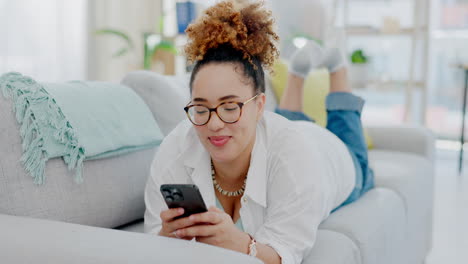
257	177
197	159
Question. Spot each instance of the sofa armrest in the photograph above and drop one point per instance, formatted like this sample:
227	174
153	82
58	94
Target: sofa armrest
413	139
28	240
376	223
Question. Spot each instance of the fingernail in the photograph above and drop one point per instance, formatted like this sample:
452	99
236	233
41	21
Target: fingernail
191	218
180	211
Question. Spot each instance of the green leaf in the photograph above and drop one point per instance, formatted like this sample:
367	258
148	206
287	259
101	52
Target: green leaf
358	57
167	46
114	32
120	52
150	51
161	24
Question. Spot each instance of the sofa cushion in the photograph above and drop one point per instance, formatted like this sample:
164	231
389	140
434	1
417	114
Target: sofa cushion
26	240
166	96
411	177
77	120
324	251
111	194
376	224
136	226
333	247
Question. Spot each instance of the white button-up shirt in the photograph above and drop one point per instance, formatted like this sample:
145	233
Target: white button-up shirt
298	173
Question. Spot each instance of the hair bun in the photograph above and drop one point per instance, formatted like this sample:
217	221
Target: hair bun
247	27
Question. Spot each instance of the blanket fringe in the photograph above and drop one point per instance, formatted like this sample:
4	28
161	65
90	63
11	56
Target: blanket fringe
26	94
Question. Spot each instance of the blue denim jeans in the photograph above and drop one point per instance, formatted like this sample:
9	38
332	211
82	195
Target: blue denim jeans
344	120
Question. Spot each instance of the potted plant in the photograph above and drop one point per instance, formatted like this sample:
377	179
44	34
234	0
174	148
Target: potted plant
359	70
154	43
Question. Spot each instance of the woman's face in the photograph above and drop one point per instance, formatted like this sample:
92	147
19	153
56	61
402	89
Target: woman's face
224	82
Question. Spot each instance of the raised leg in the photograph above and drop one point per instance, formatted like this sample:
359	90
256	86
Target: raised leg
344	120
292	99
343	108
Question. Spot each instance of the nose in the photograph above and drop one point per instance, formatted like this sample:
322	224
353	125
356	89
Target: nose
215	123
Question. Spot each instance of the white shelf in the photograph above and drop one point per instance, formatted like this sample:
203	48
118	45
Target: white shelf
371	31
391	84
418	33
398	82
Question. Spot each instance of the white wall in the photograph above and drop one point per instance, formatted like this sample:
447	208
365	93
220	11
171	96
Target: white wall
45	39
134	18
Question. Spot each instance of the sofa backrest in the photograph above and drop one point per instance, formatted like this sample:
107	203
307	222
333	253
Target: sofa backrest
111	194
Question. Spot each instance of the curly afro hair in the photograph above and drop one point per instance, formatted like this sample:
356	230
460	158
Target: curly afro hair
234	31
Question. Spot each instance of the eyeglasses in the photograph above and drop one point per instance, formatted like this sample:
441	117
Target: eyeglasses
228	112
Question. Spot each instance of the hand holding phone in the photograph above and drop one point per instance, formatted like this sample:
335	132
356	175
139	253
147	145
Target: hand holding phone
185	196
183	200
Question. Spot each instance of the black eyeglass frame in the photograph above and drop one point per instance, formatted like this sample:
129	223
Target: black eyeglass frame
215	109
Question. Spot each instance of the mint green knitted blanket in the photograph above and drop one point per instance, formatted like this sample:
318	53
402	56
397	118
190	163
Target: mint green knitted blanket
77	121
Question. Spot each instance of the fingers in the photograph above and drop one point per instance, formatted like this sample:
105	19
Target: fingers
208	223
197	231
169	226
213	216
202	224
180	223
170	214
175	235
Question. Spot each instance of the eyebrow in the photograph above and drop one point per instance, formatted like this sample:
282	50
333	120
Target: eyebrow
198	99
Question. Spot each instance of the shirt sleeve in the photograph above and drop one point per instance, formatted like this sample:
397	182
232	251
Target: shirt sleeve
162	171
296	202
154	201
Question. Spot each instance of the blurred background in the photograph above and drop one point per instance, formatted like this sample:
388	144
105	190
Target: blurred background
405	58
411	47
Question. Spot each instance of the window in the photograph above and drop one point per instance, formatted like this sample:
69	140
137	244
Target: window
43	39
453	14
449	40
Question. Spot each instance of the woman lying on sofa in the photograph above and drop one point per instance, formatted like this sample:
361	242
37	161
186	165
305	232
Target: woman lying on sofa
269	181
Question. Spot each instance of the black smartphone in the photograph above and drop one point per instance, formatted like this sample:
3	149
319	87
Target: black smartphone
186	196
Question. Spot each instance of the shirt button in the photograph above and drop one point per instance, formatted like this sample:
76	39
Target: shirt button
244	199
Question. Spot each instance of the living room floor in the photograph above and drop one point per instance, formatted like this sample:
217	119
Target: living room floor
450	244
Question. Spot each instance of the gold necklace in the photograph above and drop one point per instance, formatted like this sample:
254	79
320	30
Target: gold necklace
221	190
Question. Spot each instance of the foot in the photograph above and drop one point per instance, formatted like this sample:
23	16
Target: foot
313	56
333	60
306	58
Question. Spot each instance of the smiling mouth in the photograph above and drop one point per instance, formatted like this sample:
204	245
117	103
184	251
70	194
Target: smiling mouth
219	141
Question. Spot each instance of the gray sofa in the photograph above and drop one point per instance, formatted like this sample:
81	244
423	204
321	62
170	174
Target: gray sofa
100	221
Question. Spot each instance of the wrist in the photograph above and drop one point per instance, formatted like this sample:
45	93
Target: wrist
243	243
252	247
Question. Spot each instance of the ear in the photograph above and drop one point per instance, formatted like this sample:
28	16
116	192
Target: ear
260	102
